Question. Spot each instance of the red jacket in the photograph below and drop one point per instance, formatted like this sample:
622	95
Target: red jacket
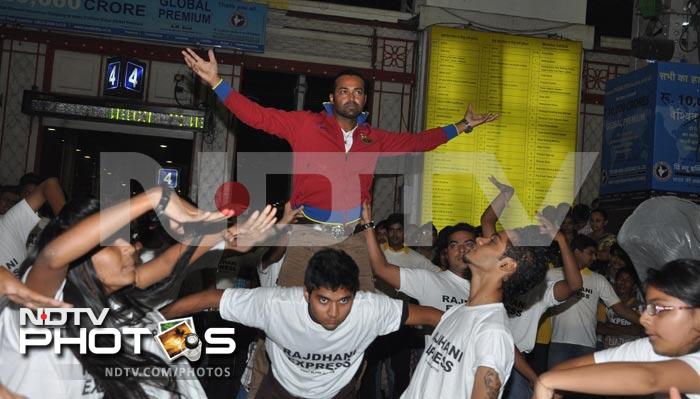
330	184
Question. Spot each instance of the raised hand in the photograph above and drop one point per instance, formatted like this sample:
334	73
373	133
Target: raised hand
180	212
547	226
253	230
207	70
504	188
18	293
475	120
291	215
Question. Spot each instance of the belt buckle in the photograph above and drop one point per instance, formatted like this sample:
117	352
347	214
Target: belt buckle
337	231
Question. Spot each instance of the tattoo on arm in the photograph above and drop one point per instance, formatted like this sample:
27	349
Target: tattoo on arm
492	384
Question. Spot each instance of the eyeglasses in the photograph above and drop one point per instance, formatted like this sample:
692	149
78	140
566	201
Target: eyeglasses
653	309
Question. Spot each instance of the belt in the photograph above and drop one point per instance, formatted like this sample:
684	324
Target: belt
335	230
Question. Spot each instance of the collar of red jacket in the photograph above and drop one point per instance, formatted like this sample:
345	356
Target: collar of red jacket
361	118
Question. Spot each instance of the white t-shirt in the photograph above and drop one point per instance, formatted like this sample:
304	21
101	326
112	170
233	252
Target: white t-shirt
440	290
268	276
41	372
575	320
612	341
15	226
531	306
406	257
467	337
347	138
308	360
642	351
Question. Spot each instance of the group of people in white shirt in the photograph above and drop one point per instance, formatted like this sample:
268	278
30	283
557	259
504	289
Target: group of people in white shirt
484	305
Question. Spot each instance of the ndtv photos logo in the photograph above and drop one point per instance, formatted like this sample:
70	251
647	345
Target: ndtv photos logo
46	327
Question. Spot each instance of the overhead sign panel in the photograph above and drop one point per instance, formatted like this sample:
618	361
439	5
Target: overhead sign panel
229	24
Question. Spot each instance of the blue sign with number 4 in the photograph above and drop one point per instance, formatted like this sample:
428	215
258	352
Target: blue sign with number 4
167	177
133	78
113	75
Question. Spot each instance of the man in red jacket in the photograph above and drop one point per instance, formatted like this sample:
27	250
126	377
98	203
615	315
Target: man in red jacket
341	129
333	150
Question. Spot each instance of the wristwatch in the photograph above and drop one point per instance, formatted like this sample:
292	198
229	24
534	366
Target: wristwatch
469	127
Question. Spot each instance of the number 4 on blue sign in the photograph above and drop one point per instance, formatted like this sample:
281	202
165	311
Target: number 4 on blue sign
133	79
167	177
113	75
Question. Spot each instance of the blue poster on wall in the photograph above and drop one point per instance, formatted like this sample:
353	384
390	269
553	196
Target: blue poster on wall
676	165
650	137
628	132
229	24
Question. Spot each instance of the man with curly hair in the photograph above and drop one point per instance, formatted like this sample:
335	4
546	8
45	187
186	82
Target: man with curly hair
470	353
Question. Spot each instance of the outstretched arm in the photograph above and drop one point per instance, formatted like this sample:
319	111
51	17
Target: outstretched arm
494	210
161	267
585	360
625	378
274	121
48	191
624	311
193	303
18	293
51	265
389	273
423	316
573	281
399	143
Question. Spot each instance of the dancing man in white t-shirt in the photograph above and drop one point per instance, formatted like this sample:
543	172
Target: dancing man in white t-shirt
525	312
470	353
19	221
316	334
439	289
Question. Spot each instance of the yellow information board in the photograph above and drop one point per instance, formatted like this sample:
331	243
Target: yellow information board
534	85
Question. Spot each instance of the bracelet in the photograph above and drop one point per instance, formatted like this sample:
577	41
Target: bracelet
163	203
469	127
221	80
369	225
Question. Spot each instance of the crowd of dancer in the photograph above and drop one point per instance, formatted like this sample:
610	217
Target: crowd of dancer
554	308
